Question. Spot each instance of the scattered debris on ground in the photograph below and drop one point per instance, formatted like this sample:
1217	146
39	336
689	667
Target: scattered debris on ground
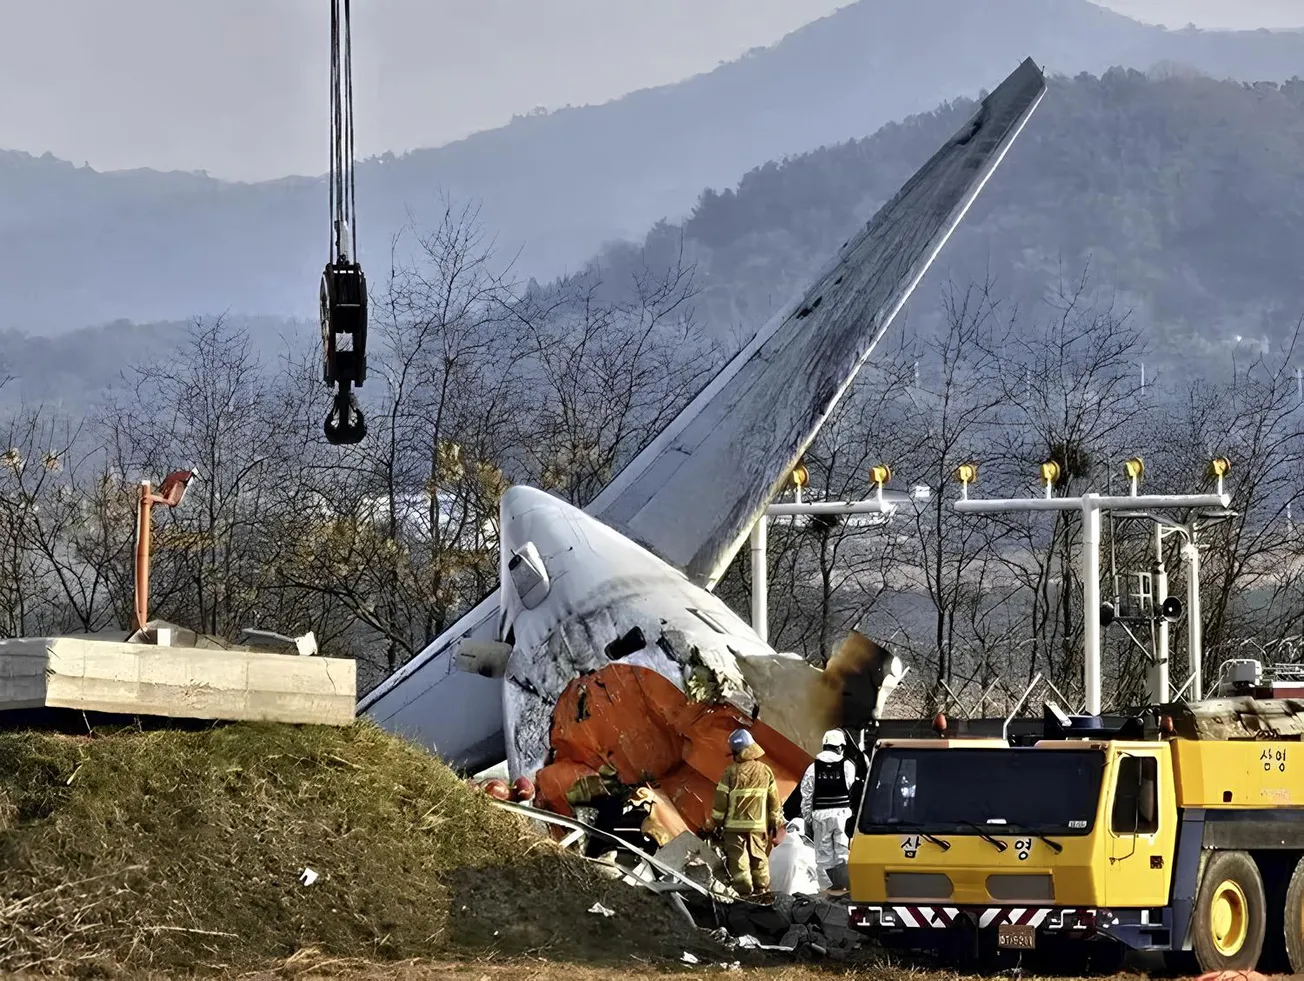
312	965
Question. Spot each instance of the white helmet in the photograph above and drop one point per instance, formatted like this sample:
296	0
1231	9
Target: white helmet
835	739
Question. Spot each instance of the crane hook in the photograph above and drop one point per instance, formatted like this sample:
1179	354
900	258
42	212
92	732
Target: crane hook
345	423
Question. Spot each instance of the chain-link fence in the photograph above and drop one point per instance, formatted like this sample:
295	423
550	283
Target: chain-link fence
921	695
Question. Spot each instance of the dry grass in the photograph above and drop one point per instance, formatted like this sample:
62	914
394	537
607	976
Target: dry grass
312	965
175	850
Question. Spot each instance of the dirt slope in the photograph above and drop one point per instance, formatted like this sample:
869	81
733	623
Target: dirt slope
170	850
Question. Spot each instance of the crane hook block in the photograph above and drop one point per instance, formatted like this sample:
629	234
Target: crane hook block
344	323
344	345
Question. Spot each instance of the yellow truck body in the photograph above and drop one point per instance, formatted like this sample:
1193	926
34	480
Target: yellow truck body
1089	839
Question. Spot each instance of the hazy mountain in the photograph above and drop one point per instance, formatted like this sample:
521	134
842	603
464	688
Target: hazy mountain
1182	195
84	247
74	369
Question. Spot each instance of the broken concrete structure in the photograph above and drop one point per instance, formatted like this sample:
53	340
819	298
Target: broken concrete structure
94	675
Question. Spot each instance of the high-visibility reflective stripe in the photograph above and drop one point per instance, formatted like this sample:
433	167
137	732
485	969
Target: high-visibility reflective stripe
743	815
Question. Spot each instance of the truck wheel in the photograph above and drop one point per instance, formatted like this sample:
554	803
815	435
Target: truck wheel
1231	913
1293	918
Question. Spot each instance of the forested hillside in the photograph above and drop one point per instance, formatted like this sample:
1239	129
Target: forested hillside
1180	195
79	247
74	371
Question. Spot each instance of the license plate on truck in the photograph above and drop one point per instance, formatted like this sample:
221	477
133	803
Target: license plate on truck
1019	936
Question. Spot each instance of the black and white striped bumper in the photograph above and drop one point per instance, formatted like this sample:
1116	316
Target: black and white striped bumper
910	917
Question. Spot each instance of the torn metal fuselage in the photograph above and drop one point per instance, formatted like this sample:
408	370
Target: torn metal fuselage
618	660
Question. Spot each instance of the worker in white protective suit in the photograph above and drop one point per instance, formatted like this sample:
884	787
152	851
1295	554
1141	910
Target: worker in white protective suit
826	806
792	862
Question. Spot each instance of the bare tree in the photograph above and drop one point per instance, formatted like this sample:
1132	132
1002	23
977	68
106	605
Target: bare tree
207	409
946	421
75	524
613	374
1070	394
404	532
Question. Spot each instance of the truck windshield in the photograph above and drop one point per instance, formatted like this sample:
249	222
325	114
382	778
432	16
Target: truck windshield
970	791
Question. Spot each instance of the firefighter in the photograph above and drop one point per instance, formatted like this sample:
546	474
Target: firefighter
746	813
826	805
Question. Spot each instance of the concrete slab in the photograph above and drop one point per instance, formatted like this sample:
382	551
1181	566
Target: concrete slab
176	682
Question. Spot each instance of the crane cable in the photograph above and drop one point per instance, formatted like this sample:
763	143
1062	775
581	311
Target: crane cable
343	285
343	197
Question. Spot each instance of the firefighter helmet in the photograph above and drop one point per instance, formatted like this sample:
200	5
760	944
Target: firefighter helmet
739	740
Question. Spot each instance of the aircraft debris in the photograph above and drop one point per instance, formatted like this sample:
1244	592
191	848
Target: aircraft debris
804	926
612	841
740	436
601	910
305	645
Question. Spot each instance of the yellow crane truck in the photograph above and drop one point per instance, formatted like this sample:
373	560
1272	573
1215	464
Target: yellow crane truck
1181	833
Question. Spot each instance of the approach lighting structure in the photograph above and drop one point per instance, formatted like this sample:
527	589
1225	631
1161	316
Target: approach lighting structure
880	475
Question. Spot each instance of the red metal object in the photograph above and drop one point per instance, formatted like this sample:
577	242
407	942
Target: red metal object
170	495
646	729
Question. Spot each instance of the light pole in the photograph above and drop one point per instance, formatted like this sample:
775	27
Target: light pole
1090	505
171	493
800	477
879	475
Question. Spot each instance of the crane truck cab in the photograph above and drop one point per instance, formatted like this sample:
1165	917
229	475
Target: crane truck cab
1185	835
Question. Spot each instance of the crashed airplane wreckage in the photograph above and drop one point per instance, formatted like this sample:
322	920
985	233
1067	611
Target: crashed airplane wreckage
603	654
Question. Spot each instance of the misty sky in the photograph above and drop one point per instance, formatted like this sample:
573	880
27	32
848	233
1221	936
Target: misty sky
239	88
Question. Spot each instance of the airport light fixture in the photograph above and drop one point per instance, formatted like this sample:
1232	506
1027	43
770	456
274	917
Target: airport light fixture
966	473
1092	505
878	504
1050	475
800	478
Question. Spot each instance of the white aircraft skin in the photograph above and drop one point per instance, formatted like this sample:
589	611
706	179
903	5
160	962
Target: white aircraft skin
599	587
691	496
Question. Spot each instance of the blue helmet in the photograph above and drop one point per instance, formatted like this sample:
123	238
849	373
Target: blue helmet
739	740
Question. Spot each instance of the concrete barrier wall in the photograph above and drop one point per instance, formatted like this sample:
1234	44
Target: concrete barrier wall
176	682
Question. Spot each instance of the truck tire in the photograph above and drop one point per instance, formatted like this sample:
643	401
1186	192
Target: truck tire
1231	914
1293	919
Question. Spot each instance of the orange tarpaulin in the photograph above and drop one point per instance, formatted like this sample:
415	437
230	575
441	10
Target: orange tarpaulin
642	725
